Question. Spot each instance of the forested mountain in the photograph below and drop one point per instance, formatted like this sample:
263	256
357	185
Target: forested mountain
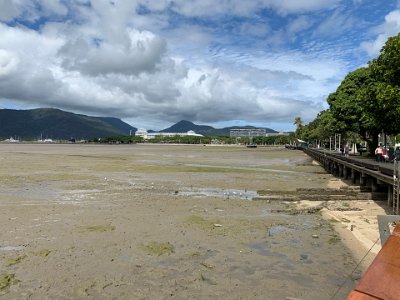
57	124
185	126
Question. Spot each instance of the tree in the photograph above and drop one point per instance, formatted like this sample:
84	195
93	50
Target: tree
355	106
367	101
321	128
385	70
299	126
386	67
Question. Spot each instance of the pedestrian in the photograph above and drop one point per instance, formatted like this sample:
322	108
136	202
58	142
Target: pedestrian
346	150
397	153
385	155
378	153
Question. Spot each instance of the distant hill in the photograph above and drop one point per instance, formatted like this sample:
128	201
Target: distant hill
185	126
58	124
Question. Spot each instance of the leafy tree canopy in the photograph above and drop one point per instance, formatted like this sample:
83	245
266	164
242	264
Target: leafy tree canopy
367	101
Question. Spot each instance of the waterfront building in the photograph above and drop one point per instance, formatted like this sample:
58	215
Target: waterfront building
277	134
151	135
247	132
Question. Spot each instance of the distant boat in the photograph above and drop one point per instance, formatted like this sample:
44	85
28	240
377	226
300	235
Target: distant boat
252	146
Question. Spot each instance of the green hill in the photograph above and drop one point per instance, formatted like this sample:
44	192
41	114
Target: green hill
57	124
185	126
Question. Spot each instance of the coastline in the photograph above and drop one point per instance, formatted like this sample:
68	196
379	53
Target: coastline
356	225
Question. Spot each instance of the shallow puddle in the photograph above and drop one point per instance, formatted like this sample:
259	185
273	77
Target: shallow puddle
222	193
12	248
240	168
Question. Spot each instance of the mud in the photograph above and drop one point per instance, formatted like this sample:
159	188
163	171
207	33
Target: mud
153	222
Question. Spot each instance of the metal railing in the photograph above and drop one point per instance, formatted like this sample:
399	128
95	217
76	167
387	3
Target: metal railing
396	187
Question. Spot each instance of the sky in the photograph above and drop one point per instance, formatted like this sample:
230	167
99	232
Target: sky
153	63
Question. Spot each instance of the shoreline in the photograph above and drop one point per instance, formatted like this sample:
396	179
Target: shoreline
357	228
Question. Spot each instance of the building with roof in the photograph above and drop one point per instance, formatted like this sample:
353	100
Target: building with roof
247	132
151	135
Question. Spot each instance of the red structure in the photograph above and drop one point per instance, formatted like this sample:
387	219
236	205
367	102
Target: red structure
382	279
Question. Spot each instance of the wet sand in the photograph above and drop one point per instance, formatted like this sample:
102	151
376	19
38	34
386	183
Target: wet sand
167	221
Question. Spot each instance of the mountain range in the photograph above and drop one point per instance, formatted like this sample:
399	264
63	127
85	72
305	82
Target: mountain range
185	126
57	124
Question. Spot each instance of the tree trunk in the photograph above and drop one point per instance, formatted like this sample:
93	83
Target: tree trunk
373	143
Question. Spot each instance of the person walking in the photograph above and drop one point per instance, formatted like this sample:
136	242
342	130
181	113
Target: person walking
346	150
378	153
397	153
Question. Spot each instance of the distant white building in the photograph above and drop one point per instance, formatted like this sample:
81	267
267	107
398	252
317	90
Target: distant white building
247	132
142	133
151	135
11	140
278	133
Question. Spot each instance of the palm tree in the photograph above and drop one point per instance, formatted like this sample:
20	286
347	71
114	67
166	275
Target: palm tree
298	122
299	127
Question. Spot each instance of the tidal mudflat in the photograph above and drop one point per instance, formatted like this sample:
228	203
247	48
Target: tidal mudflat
163	221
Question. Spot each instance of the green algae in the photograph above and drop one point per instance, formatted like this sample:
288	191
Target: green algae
197	220
207	265
97	228
207	280
42	253
158	249
334	239
16	260
6	280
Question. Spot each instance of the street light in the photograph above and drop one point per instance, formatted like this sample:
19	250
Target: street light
337	138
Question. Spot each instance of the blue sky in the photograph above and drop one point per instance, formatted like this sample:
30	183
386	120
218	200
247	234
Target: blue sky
153	63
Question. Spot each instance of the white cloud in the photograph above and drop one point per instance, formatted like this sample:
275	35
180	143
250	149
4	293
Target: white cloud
109	61
51	7
335	24
246	8
389	28
299	6
31	10
257	29
8	63
140	52
8	10
299	24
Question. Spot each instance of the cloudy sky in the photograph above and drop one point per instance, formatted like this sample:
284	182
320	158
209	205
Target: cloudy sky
155	62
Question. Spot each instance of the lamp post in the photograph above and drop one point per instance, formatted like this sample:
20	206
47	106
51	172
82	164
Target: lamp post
338	137
334	148
354	148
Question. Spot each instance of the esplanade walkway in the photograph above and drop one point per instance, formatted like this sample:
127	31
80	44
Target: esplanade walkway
378	177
